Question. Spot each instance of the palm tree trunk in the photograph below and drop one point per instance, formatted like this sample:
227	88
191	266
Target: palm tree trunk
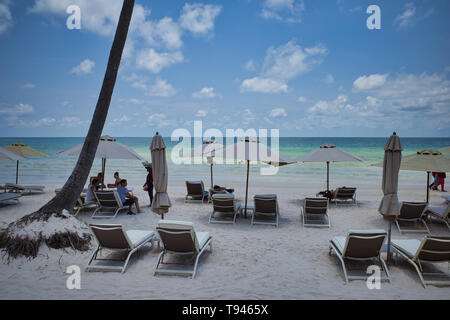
71	190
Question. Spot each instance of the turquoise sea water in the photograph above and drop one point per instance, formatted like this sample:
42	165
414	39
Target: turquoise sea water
57	168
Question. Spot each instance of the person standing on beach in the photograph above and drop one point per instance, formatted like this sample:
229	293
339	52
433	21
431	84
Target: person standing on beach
148	186
435	177
441	179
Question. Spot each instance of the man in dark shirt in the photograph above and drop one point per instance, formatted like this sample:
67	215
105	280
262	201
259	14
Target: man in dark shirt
149	183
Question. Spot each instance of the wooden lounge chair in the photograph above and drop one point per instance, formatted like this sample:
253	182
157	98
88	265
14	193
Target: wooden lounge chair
345	195
412	217
431	249
224	205
441	213
81	202
5	197
314	212
13	187
108	202
112	237
179	238
266	210
195	192
358	246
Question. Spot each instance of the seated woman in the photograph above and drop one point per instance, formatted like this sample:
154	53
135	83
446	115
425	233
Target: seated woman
100	179
117	182
90	190
126	197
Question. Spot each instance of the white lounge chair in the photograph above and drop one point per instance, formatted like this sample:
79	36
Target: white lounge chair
225	206
13	187
81	202
113	237
431	249
345	195
108	202
195	192
314	212
441	213
6	197
412	217
360	245
180	238
266	210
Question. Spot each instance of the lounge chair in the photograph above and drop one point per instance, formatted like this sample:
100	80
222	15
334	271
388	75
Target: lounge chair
7	196
412	213
266	210
12	187
180	238
108	201
81	202
344	195
430	249
224	205
113	237
360	245
441	213
195	192
315	212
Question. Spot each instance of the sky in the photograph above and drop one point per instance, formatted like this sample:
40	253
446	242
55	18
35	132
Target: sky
308	68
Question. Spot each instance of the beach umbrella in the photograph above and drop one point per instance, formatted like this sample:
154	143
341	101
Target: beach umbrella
108	148
389	206
206	150
427	161
23	150
328	153
249	149
161	202
8	155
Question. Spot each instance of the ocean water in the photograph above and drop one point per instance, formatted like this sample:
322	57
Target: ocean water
57	168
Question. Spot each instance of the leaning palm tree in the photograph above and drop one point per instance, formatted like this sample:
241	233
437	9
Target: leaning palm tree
13	241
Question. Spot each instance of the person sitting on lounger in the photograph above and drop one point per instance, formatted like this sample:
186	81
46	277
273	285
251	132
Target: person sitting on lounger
117	182
90	190
219	188
100	179
126	197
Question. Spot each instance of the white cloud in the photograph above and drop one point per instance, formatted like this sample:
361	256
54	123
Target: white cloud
155	33
85	67
17	110
264	85
406	18
278	112
201	113
5	17
250	65
42	122
72	122
369	82
302	99
329	79
155	62
283	10
161	89
204	93
160	120
199	18
28	86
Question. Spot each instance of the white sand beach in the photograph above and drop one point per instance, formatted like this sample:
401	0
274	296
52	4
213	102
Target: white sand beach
247	262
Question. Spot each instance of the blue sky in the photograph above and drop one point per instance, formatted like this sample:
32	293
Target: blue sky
308	68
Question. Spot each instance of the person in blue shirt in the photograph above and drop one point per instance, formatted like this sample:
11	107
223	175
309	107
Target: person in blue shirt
126	197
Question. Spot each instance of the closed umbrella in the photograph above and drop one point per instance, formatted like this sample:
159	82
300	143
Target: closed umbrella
24	150
389	206
161	202
108	148
252	150
427	161
328	153
206	150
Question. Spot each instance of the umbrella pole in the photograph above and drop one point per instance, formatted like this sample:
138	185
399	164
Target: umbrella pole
428	183
103	171
17	172
328	176
212	184
388	252
246	188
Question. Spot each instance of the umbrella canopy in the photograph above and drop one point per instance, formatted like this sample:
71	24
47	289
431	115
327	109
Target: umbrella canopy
252	150
328	153
389	206
206	150
161	202
108	148
425	160
23	150
8	155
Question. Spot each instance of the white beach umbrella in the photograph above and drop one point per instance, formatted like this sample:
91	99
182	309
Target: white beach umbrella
206	150
328	153
108	148
161	203
8	155
250	149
